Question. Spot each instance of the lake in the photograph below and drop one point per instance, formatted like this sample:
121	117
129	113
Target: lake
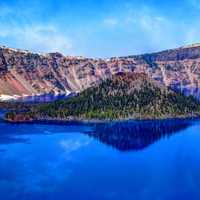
120	161
48	97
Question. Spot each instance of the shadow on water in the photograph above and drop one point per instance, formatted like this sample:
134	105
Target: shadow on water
191	91
124	136
130	136
2	113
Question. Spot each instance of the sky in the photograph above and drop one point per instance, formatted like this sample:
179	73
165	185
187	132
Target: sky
99	28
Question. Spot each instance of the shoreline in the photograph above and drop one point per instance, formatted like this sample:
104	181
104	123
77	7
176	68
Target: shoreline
96	121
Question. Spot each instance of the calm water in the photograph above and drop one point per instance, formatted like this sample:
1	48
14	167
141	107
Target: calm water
120	161
49	97
192	91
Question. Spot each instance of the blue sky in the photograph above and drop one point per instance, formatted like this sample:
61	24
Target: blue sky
99	28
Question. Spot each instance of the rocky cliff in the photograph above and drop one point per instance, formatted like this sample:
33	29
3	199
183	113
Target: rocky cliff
26	73
124	96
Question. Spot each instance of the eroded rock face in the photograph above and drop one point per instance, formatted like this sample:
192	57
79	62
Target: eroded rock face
3	64
25	73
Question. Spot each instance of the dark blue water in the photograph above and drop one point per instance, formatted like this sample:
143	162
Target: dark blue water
119	161
187	91
49	97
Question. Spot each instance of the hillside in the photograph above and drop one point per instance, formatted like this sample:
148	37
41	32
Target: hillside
26	73
124	96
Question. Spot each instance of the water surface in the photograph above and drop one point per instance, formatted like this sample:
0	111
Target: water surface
43	98
131	160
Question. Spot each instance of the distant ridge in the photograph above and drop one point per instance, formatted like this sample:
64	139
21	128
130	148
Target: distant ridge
23	73
191	46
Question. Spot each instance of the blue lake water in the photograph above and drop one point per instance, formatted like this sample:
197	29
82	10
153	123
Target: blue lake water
43	98
50	97
120	161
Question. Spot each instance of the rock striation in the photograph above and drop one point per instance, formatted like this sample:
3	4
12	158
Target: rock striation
125	96
26	73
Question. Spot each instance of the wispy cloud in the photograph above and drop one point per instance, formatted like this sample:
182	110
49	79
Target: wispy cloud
126	27
22	30
194	3
42	38
153	31
72	145
110	22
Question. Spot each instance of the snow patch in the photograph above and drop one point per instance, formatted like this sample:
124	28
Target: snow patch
4	97
191	46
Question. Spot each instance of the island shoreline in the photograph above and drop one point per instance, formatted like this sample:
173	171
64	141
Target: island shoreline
97	121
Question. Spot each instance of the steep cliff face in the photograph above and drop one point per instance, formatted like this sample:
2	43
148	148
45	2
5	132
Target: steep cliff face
123	96
26	73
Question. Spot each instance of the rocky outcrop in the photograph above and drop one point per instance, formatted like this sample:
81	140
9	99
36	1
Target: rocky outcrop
26	73
124	96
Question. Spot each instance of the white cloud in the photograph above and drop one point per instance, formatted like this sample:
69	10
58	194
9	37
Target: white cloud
152	31
159	32
72	145
151	23
194	3
132	30
19	29
110	22
41	38
45	38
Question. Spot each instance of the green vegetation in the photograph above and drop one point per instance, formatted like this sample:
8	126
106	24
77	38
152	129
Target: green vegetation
124	96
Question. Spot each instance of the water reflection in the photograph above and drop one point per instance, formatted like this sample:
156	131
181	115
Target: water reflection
41	98
188	91
2	113
22	133
126	136
48	97
57	161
